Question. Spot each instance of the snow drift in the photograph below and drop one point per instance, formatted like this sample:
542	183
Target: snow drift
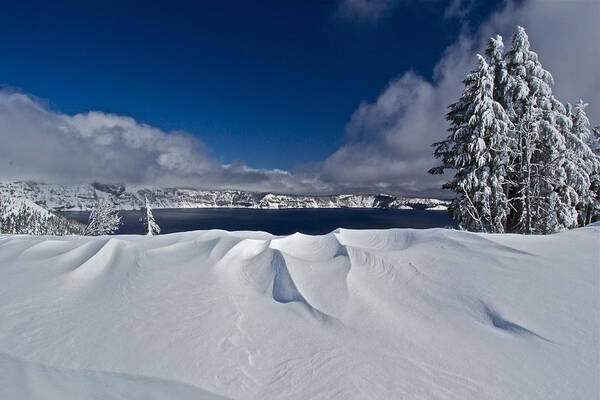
401	313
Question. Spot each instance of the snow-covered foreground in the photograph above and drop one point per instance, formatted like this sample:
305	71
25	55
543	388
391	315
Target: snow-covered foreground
394	314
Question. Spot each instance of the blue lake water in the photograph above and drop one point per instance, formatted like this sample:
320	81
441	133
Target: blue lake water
279	222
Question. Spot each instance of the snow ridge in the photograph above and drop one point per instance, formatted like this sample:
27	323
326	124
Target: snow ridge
373	314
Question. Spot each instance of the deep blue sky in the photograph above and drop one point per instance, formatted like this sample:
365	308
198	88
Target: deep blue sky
269	83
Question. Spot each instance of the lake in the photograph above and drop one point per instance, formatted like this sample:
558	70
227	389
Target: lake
314	221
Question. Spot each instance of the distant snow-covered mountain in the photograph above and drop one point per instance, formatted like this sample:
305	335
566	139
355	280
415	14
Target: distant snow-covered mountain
85	196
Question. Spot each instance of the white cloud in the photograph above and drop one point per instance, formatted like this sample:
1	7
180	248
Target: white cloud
365	10
458	8
388	142
39	144
372	11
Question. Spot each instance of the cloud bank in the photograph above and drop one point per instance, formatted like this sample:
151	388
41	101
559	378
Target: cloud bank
39	144
388	141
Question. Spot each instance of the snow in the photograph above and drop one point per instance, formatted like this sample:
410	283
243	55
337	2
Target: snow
22	380
438	208
14	205
373	314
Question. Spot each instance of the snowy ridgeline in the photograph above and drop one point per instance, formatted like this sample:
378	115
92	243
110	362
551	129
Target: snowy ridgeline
23	216
85	197
394	314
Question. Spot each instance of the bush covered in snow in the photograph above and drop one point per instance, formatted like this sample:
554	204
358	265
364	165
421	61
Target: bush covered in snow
103	220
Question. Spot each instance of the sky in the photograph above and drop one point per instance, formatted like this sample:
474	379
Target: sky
303	97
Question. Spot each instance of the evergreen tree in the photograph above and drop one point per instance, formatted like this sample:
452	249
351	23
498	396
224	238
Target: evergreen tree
494	54
583	164
541	200
103	220
595	140
150	226
555	200
594	144
524	163
478	149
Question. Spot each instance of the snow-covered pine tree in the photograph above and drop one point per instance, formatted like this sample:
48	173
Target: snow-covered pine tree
583	165
594	144
540	196
595	140
103	220
537	162
494	54
477	148
555	200
150	226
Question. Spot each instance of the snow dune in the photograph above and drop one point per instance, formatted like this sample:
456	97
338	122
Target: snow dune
22	380
391	314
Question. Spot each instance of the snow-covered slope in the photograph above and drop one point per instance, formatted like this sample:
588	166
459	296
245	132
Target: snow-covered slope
393	314
12	206
21	215
85	197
